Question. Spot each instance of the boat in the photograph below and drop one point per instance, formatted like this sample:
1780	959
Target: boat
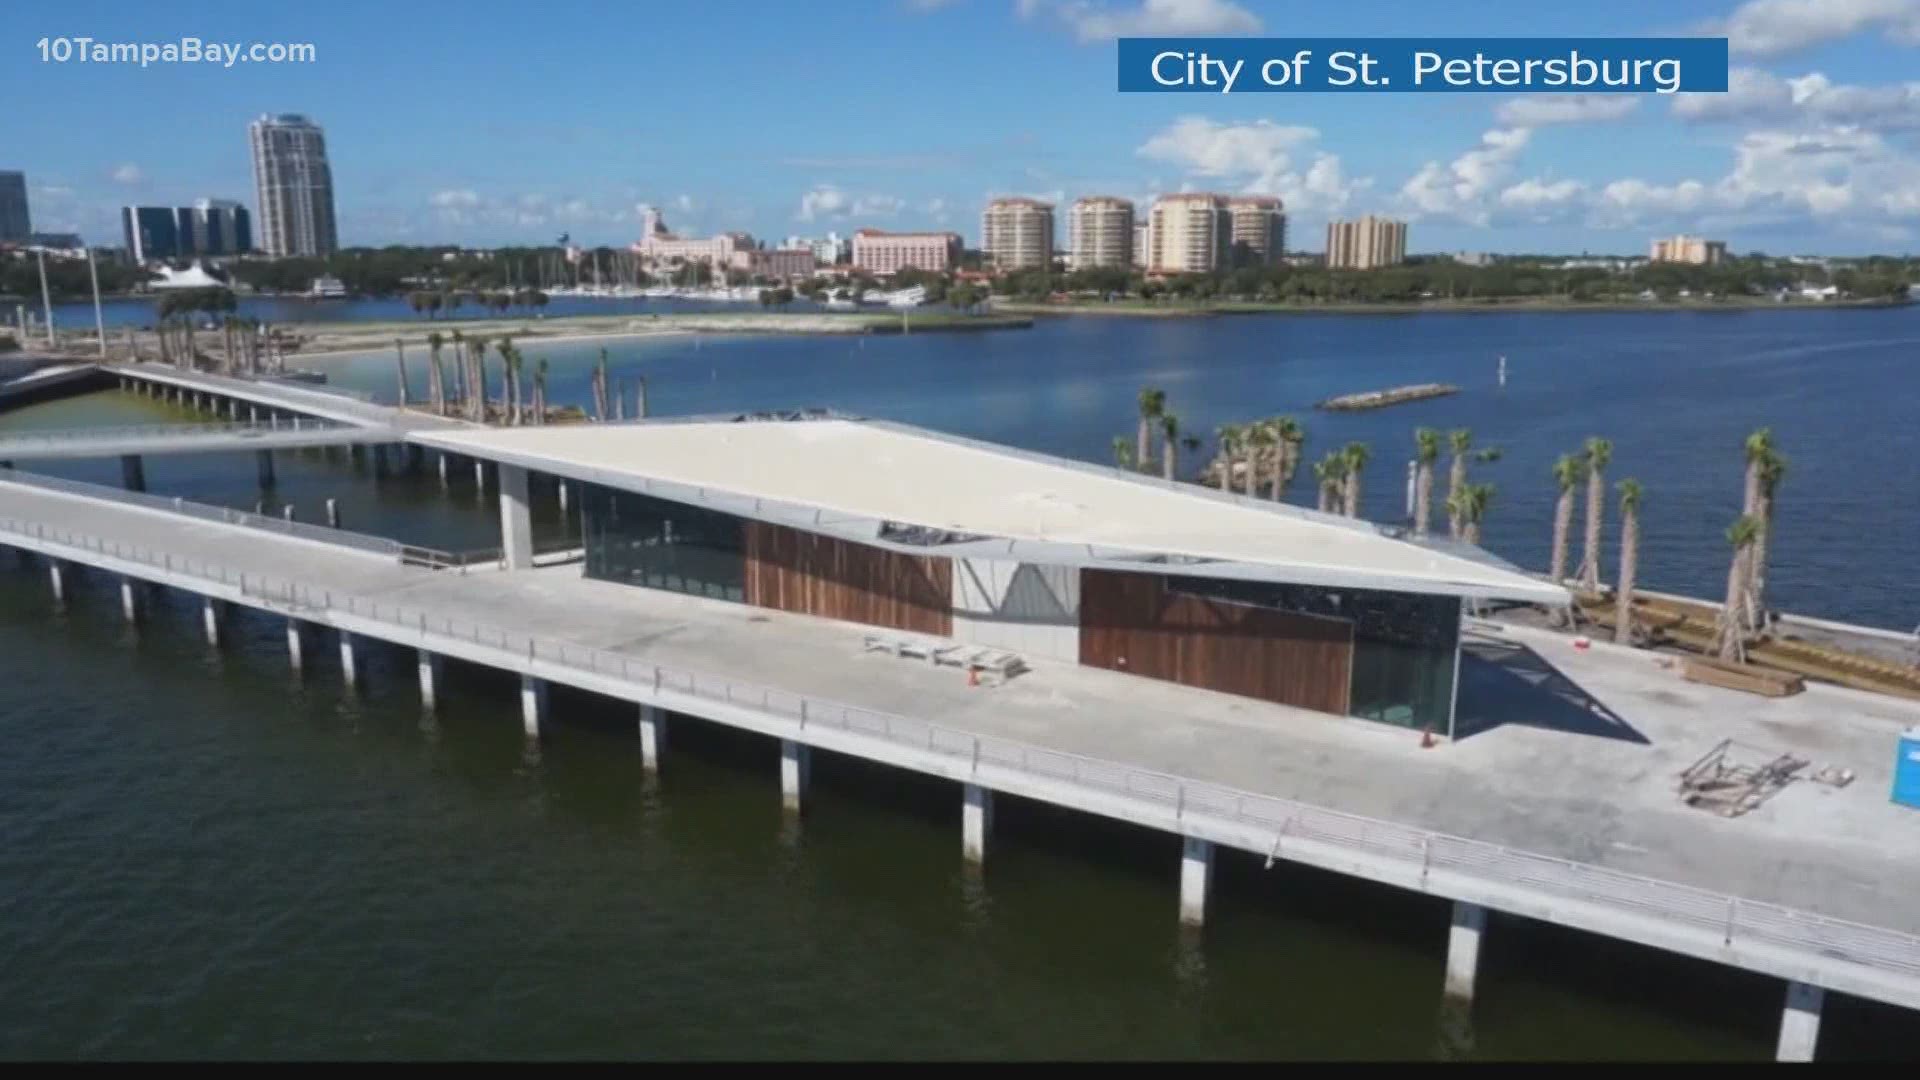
326	287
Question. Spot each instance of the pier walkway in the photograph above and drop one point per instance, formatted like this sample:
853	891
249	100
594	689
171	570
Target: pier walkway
147	439
1567	784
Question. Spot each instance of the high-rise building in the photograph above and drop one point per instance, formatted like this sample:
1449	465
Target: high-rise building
15	223
1686	249
214	227
152	233
1188	233
294	186
883	252
1017	233
1366	244
1259	230
1100	233
1142	244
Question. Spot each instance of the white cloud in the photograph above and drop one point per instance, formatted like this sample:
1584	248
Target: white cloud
1775	27
827	201
1256	158
927	5
128	174
1531	112
1091	21
684	204
460	199
1542	198
1756	95
1460	189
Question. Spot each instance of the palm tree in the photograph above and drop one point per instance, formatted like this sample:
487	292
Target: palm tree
1170	439
1758	447
1772	469
400	361
1470	506
1460	441
1567	474
1331	472
1122	452
1599	452
540	392
1356	455
1730	639
1152	404
436	379
1190	443
1426	444
1262	439
1630	493
1291	437
1230	436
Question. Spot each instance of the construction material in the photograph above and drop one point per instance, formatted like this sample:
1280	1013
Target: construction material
982	664
1720	783
1746	677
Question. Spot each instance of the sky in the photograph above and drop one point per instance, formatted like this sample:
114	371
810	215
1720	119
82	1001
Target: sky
485	123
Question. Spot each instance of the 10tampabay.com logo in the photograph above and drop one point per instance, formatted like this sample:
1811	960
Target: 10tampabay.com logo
1423	65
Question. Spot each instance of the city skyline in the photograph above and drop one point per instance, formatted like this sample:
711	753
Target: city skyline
1812	150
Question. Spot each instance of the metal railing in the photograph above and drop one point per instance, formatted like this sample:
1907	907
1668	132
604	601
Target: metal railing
1414	851
299	424
410	554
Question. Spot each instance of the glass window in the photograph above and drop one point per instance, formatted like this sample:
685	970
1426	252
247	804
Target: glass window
1403	643
639	540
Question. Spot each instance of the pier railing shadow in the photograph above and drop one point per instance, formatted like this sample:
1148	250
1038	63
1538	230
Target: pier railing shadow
1503	682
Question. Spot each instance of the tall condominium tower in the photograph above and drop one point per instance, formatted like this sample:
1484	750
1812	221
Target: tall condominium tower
1366	244
1259	229
1100	232
1017	233
295	186
15	224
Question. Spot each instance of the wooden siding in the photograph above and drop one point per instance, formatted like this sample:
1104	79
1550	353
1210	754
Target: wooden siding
803	572
1131	622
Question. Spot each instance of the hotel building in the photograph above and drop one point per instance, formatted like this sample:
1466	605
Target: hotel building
884	253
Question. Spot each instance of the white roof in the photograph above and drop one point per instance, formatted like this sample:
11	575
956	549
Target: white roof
848	476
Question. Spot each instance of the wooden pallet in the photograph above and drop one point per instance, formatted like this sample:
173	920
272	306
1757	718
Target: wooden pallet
1746	677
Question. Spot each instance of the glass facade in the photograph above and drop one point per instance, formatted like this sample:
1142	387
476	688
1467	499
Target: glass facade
639	540
1404	644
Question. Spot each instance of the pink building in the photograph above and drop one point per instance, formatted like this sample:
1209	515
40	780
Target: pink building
884	253
781	263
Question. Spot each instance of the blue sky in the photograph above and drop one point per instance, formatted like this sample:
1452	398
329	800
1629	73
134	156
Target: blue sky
484	123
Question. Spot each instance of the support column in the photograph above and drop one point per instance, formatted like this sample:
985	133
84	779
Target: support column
1463	950
253	414
133	472
1196	880
976	821
294	644
57	575
653	736
796	773
380	460
211	613
479	474
333	513
563	498
443	471
129	600
264	458
1800	1022
533	705
516	518
349	660
431	668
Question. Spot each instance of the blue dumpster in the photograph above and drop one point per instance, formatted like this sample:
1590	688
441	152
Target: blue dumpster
1906	770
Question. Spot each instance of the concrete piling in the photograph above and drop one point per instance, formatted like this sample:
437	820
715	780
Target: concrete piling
1196	880
349	660
57	576
129	600
516	518
133	472
1463	951
533	705
653	736
796	774
211	613
295	657
333	513
976	822
1800	1022
431	669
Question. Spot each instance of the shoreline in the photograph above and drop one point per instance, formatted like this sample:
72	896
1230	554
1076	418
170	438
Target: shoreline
1144	310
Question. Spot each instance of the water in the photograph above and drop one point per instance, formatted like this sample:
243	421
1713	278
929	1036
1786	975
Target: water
206	858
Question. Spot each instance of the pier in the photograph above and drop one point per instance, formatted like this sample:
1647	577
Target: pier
1814	888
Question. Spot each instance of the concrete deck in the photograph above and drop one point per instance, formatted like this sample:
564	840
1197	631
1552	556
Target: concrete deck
268	393
183	439
1564	753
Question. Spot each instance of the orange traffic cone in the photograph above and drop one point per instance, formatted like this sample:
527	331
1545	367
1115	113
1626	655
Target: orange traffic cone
1426	737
